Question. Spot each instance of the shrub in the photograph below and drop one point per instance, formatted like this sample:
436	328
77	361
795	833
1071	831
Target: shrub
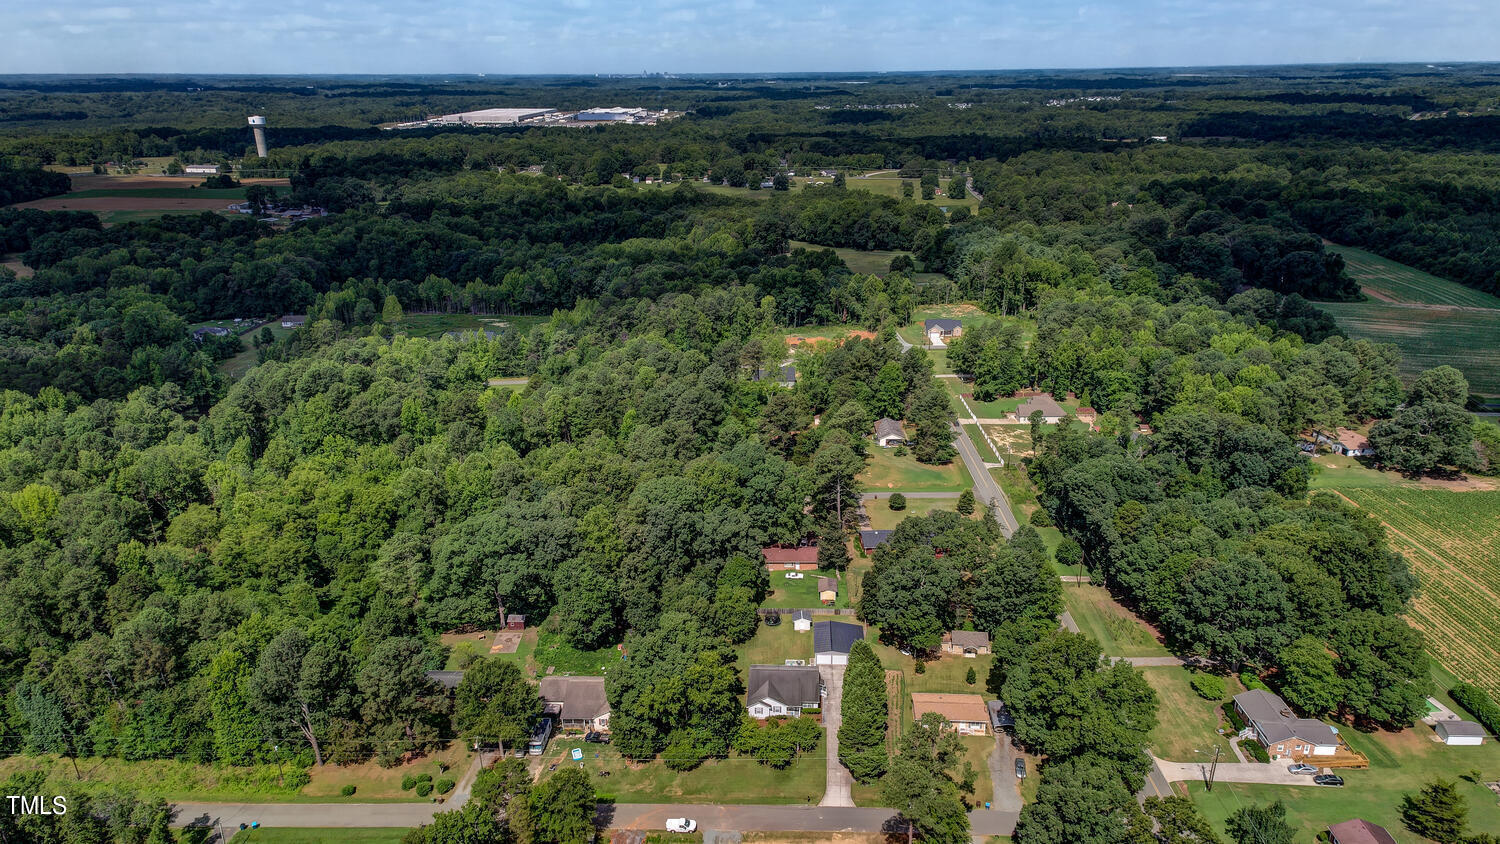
1233	716
424	789
1040	518
971	678
297	779
897	501
1480	705
1250	681
347	791
443	785
421	778
900	451
408	782
812	710
1208	686
1253	749
921	667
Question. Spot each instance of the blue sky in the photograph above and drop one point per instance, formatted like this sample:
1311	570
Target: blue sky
729	36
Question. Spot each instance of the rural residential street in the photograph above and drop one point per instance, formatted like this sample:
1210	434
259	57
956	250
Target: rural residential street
985	489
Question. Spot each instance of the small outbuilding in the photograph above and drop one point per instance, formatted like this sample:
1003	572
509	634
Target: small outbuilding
515	621
828	591
1463	733
802	621
447	679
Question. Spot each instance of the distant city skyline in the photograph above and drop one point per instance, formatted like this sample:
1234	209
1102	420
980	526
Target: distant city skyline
732	36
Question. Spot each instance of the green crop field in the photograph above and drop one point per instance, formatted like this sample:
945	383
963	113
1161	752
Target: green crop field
1432	321
1452	540
867	261
1384	278
1430	336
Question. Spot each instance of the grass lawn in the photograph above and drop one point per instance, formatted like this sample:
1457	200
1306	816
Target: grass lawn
882	517
235	367
983	409
1399	763
553	655
868	262
942	675
737	779
1117	629
1335	471
981	444
891	186
321	836
165	778
885	472
436	325
775	645
977	751
373	783
794	593
1185	722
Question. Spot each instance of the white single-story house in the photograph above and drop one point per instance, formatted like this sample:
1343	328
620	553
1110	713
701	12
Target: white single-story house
201	169
578	703
889	433
832	641
1465	733
782	690
1051	411
1347	442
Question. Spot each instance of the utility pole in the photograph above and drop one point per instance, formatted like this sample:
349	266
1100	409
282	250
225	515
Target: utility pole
1213	767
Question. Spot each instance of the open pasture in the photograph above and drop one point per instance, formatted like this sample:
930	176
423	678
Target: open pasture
1392	281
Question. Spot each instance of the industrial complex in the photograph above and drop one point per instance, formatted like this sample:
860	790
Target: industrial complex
541	117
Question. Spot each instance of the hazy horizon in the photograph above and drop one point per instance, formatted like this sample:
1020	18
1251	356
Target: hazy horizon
586	37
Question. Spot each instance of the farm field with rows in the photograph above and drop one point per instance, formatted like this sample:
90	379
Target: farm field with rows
1452	540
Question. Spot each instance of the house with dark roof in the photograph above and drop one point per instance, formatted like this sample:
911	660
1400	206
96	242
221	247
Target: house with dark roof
939	331
1280	731
832	641
578	703
784	375
1051	411
872	539
889	433
969	643
1359	831
782	690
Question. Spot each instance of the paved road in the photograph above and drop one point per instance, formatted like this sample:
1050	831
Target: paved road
785	818
1007	797
229	816
1156	784
1067	622
985	488
838	788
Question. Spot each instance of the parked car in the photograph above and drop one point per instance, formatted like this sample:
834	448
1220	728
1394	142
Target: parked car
795	575
1301	768
681	825
596	738
1020	769
1329	779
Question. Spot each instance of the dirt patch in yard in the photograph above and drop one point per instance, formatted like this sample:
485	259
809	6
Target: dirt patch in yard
506	642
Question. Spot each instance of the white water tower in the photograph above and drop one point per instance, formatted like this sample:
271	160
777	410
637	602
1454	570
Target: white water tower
258	126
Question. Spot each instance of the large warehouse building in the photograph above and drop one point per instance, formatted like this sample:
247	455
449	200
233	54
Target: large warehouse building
493	116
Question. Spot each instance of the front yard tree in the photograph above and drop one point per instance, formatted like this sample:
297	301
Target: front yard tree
1260	825
560	809
921	784
298	685
1078	802
833	553
1438	812
1309	680
495	703
864	713
897	501
933	418
836	467
966	503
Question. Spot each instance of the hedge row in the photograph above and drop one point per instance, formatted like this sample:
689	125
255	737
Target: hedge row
1479	702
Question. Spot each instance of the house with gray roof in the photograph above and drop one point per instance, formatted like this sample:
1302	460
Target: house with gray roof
939	331
872	539
889	433
578	703
1456	732
447	679
1051	411
782	690
969	643
832	641
1280	731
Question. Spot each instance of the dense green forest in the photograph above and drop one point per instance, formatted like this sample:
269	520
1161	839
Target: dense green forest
203	568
